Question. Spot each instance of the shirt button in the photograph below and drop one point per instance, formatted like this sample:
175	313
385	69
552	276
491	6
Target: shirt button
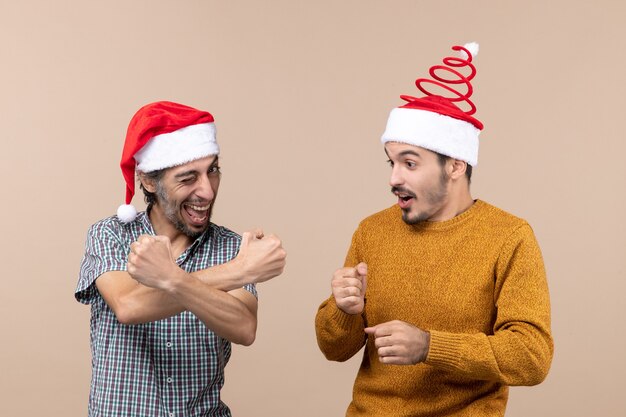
169	380
171	414
168	344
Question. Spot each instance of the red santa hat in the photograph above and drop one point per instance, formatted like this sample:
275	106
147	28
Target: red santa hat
435	122
162	135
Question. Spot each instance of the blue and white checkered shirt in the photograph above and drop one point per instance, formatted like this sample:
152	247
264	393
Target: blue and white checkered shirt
167	368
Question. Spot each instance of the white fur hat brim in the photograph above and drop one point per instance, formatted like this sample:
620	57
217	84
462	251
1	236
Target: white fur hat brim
178	147
433	131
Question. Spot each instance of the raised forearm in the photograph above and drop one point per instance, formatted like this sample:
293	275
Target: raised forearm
259	259
230	315
134	303
225	277
214	295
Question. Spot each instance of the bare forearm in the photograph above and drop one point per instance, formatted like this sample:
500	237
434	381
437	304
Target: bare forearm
144	305
135	303
223	313
158	304
259	259
225	277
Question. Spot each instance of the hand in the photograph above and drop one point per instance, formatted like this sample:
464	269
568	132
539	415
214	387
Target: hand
150	261
349	285
260	257
400	343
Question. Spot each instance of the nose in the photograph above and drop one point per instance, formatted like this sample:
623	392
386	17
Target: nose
205	188
396	178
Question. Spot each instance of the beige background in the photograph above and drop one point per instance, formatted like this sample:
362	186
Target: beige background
301	92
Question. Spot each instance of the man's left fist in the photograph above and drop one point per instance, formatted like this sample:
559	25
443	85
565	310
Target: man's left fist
400	343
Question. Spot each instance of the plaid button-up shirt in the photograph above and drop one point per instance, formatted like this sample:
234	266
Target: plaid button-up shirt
167	368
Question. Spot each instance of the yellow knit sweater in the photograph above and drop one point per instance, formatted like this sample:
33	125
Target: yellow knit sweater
476	282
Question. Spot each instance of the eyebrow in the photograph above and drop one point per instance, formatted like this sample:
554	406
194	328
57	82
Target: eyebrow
404	153
409	152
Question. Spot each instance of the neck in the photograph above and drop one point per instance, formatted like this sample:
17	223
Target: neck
458	201
164	227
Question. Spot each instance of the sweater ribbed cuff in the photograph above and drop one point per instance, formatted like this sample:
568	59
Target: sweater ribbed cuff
444	351
344	320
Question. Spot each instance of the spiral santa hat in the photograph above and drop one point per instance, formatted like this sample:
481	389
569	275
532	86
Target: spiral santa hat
435	122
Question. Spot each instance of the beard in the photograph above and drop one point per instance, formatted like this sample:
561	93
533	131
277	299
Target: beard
172	213
433	197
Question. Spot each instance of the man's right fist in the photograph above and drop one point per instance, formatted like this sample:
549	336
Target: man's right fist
349	286
260	257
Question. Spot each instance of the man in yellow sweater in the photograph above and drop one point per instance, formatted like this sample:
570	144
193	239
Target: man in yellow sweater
447	293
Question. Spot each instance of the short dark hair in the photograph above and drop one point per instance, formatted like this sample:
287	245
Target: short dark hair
444	158
155	177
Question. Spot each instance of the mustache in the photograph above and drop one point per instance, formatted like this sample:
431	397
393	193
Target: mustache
396	190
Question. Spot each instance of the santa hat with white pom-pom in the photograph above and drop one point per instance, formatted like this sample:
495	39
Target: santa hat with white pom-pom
435	122
162	135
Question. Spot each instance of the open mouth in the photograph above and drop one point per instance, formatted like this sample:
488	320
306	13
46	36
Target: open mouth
197	214
404	199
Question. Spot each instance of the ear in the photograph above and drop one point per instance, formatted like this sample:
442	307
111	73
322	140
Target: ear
457	169
147	182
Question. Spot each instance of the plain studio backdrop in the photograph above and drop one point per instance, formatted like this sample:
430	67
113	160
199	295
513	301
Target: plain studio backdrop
301	92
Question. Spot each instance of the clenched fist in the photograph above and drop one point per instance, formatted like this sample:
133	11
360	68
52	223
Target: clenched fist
400	343
349	285
150	261
260	257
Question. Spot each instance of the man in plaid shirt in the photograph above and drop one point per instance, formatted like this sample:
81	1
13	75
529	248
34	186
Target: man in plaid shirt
169	290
